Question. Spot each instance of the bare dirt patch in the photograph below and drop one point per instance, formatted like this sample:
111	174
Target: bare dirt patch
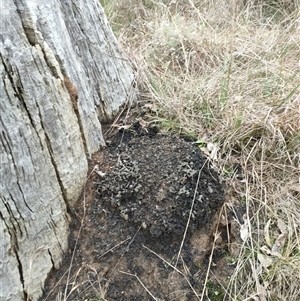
129	230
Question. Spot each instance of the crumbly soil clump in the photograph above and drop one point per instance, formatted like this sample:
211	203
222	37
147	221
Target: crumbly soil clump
148	208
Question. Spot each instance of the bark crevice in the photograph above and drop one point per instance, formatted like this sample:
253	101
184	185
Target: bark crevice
9	70
14	228
51	258
73	94
21	273
16	85
13	233
10	151
59	181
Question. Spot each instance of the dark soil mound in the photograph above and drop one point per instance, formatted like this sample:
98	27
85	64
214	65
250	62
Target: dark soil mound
153	183
149	187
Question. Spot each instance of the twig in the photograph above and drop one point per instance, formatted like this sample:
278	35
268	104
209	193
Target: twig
173	267
102	291
140	281
223	287
190	214
216	235
68	272
129	100
52	290
127	248
111	249
78	235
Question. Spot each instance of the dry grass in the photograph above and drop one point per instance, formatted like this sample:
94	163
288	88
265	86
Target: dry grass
228	73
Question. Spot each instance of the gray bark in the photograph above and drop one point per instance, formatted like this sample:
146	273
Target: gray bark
62	74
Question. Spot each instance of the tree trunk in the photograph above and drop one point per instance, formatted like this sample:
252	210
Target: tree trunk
62	74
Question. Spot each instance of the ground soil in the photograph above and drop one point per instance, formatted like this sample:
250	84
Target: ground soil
143	227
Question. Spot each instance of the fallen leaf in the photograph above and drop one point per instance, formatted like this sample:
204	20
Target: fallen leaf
262	292
282	226
100	173
295	187
213	151
267	233
265	260
265	249
244	231
278	245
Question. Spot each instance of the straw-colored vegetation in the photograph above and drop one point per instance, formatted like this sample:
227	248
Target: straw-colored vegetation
227	72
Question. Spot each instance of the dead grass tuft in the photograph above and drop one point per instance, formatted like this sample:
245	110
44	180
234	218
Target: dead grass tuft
228	73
